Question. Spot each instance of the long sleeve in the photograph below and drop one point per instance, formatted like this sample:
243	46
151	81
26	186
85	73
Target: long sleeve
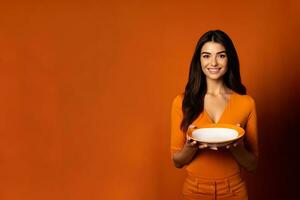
251	130
177	135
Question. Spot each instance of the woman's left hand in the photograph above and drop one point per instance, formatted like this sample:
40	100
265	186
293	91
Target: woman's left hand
239	142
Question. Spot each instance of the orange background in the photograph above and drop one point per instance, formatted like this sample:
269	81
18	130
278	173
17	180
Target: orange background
86	91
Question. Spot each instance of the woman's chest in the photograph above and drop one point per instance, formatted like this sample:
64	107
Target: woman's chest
215	106
232	110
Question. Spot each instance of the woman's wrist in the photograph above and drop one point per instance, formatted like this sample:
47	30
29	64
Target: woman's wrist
184	156
236	149
245	158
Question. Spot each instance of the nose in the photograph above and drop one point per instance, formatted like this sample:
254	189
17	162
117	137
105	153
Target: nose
213	61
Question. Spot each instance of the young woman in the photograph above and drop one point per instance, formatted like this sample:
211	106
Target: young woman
214	94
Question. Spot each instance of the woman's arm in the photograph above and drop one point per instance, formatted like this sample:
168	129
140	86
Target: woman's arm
186	154
245	158
247	155
182	149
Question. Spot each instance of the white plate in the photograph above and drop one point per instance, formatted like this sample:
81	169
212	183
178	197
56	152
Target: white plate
215	135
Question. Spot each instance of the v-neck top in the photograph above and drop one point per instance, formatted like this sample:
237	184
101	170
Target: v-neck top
240	109
224	111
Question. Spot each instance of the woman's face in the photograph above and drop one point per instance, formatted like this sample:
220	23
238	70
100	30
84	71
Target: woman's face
213	60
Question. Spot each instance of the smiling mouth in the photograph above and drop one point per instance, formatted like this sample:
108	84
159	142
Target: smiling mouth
214	70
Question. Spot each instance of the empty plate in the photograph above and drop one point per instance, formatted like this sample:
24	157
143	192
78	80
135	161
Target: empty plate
216	135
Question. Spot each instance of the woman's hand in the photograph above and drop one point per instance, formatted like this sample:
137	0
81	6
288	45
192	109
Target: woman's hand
239	142
190	143
193	143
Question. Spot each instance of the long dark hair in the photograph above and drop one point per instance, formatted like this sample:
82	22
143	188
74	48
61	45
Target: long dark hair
195	90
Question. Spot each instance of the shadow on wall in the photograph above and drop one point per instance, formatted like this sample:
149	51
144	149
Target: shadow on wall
278	114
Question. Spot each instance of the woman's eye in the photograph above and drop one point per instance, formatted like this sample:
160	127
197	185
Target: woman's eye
222	55
205	56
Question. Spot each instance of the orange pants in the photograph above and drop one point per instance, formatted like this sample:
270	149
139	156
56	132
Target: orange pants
232	187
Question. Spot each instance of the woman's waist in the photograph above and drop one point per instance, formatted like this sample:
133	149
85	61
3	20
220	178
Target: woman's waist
214	174
212	164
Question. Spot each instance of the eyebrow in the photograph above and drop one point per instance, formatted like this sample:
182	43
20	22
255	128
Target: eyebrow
204	52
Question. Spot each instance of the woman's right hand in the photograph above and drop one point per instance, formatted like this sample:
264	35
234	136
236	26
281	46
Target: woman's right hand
193	143
190	143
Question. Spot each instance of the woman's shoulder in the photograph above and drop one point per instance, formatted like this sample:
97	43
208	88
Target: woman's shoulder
177	100
177	104
246	99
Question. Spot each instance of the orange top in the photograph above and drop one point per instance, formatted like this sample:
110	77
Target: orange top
209	163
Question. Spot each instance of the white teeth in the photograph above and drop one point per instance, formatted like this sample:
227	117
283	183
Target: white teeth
214	70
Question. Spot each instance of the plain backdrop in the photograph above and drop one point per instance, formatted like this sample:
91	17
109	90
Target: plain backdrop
86	91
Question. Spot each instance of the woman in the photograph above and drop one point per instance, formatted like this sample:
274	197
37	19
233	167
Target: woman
214	94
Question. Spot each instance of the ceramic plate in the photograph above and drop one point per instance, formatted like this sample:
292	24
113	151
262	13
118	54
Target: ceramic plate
216	135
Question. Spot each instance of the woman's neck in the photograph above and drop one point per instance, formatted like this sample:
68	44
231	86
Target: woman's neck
216	87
